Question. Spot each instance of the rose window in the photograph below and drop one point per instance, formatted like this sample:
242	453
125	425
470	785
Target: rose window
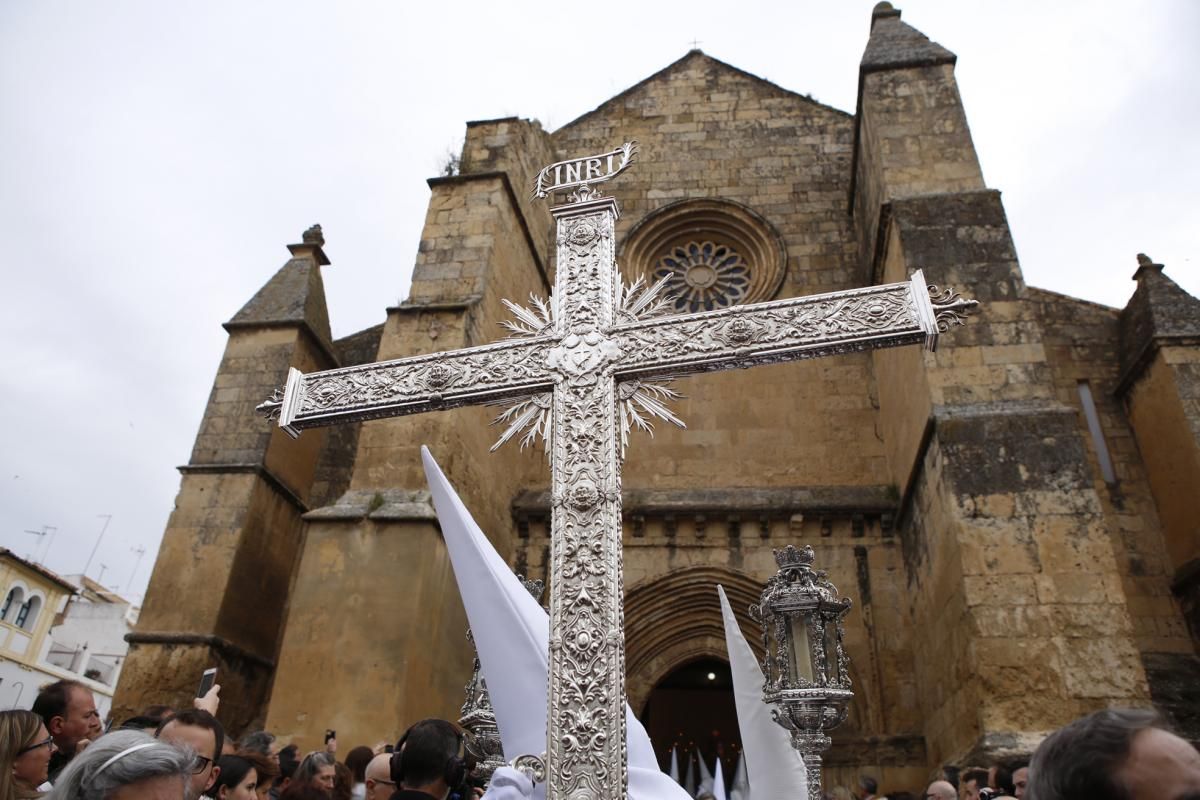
712	253
702	276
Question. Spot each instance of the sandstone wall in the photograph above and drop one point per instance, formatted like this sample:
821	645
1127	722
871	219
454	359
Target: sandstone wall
231	542
1014	586
708	130
374	586
1081	343
913	139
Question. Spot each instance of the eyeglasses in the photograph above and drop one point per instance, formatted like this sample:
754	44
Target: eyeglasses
47	742
200	764
381	780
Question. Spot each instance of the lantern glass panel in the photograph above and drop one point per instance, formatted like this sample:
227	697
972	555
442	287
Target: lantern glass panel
799	650
831	652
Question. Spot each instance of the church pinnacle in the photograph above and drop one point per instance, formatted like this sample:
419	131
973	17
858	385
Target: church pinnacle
295	295
311	242
1159	310
895	45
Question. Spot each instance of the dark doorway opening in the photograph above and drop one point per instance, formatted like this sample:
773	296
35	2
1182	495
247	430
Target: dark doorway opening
692	709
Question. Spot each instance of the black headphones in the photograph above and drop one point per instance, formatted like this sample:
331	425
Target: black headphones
454	773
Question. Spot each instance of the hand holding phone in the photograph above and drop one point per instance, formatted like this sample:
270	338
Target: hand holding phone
207	698
206	681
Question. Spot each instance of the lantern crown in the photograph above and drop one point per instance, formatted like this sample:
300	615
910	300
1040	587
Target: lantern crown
792	557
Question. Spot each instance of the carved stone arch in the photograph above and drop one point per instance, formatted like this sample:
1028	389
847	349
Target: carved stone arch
715	253
674	619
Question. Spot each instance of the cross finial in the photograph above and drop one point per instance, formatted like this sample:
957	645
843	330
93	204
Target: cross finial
311	244
314	236
1146	266
696	44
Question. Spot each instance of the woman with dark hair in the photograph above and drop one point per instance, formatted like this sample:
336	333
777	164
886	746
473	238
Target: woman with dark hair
343	782
238	780
357	760
265	767
25	750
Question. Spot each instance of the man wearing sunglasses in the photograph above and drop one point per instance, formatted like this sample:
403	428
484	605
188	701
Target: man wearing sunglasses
200	732
380	785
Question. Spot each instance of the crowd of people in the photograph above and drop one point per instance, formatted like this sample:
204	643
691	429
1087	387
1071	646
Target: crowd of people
1008	780
1113	754
60	751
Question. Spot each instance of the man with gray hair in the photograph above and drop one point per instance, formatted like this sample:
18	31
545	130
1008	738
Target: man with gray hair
1115	754
261	742
941	790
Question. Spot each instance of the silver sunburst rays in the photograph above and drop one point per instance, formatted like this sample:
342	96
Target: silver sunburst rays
639	401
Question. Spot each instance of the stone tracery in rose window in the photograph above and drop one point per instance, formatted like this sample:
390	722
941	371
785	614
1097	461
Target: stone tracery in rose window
704	275
713	254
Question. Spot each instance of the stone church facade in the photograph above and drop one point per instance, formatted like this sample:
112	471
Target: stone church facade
1014	516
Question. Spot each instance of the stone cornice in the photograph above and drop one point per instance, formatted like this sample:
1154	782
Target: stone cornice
830	500
218	643
1145	357
268	477
304	328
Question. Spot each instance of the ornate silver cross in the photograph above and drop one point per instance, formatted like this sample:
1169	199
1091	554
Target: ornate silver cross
582	370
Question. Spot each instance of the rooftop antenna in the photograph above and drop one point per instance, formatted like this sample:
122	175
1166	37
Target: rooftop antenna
107	519
141	551
40	535
103	567
46	529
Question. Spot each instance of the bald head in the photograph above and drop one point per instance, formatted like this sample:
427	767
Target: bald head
379	777
941	790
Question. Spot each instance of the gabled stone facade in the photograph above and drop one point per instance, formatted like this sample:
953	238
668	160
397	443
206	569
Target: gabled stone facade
1010	515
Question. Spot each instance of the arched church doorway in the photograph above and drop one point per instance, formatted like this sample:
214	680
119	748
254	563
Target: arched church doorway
692	709
674	639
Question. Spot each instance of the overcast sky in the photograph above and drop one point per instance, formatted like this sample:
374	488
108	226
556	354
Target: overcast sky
158	156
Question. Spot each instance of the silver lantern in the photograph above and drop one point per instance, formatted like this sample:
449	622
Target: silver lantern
806	669
478	719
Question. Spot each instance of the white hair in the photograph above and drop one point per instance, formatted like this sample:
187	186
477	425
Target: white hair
119	759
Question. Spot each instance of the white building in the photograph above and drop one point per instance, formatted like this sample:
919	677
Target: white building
82	638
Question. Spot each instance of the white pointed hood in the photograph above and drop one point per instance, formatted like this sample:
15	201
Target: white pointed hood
674	773
706	778
718	789
512	635
774	768
740	790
